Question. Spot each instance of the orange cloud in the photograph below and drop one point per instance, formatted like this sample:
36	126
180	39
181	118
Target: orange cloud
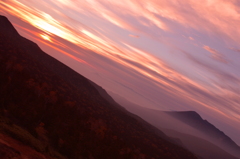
205	16
46	37
191	38
134	36
217	17
215	54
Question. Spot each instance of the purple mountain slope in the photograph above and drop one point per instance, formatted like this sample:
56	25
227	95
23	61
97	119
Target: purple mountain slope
195	120
187	122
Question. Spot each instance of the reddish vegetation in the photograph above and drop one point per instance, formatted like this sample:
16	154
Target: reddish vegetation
11	148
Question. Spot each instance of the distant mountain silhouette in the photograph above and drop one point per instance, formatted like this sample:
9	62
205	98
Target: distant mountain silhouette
105	95
47	106
200	147
194	119
185	122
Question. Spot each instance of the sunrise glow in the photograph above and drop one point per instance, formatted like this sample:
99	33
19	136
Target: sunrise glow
159	51
46	37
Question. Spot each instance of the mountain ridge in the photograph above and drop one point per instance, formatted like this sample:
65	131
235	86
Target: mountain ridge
60	109
195	120
191	118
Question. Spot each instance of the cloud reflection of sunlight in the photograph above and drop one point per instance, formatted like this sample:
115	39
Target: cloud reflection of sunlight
46	37
149	15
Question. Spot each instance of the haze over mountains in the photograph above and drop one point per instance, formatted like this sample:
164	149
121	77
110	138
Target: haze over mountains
197	134
67	113
56	113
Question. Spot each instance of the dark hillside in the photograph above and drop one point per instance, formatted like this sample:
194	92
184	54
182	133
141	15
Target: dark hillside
63	111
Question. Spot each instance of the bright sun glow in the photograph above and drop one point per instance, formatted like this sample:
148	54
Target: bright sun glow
46	37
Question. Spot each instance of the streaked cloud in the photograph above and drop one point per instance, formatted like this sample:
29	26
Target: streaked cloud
191	38
97	34
134	36
215	54
46	37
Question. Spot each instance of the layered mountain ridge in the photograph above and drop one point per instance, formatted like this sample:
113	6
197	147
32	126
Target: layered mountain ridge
189	123
195	120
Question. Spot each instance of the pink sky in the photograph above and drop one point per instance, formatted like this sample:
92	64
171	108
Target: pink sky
162	54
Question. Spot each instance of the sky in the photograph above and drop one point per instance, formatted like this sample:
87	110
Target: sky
161	54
